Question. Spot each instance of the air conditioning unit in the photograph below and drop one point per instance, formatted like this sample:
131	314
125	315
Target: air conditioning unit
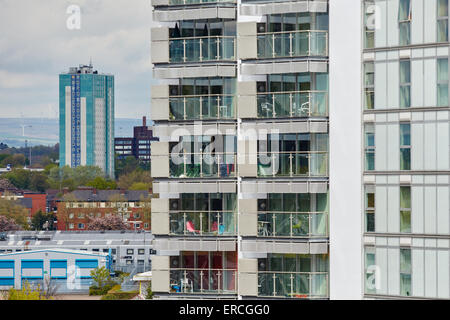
261	87
174	205
262	204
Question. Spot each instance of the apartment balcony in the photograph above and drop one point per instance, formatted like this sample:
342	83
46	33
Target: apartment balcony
196	165
194	223
300	285
202	107
293	164
295	104
203	281
293	225
176	10
292	44
202	49
213	56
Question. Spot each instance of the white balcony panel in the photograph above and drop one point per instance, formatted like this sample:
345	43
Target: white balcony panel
283	67
194	14
160	281
160	91
160	148
160	223
160	166
248	224
160	3
160	205
171	72
160	52
283	7
160	109
248	284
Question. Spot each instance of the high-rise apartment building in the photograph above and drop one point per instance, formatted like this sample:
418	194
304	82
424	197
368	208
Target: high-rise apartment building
304	149
406	149
86	119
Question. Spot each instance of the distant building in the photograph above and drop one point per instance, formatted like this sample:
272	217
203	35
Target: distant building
130	250
86	115
133	206
70	270
138	146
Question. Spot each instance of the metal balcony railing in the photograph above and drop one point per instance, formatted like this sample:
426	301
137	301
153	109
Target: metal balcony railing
202	107
203	165
290	164
203	281
292	224
292	44
212	223
202	49
292	104
306	285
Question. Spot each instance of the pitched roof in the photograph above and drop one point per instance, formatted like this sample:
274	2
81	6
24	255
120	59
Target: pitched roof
106	195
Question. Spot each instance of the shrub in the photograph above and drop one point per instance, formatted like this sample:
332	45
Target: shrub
115	293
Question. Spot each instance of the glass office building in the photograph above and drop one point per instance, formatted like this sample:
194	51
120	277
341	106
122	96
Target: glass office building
86	119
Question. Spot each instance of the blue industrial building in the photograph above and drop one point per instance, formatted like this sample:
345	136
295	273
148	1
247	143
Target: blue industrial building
69	270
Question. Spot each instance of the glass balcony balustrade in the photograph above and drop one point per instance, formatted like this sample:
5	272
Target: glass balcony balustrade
306	285
198	107
197	165
203	281
291	164
292	104
292	225
202	49
288	44
194	223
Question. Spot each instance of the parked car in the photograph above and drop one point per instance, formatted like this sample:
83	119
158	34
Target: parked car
3	236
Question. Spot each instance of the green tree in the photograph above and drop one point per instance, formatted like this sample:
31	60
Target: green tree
12	210
38	182
102	184
101	276
20	178
127	180
27	293
43	221
139	186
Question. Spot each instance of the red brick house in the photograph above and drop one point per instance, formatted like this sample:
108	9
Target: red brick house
75	209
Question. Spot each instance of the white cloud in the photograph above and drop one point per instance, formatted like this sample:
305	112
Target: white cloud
35	46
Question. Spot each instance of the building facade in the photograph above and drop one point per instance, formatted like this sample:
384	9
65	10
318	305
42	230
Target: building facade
86	119
67	270
242	166
129	250
328	123
76	209
138	146
406	149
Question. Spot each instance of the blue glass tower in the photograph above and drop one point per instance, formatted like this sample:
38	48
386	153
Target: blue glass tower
86	119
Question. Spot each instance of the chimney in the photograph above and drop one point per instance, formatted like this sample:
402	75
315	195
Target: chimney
65	190
144	121
94	191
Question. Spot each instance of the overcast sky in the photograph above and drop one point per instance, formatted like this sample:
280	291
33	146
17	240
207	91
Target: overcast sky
36	45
